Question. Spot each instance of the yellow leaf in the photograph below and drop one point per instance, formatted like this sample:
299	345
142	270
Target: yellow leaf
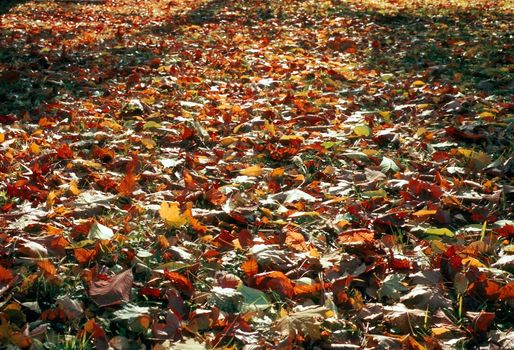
255	170
314	253
370	152
439	232
362	130
424	212
418	83
2	137
171	214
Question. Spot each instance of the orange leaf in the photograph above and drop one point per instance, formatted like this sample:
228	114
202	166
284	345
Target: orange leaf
196	225
296	241
84	256
5	275
250	267
275	281
188	180
356	236
47	267
424	212
302	289
181	282
128	183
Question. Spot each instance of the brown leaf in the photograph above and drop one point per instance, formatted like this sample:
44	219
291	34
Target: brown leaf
112	292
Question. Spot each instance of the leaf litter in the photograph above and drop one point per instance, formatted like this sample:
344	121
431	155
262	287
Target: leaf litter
233	174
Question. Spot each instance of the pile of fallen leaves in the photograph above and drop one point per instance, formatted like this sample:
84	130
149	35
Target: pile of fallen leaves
259	174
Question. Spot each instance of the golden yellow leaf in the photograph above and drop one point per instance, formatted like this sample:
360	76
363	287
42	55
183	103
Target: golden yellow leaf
2	137
74	189
439	331
418	83
50	199
34	148
486	115
170	213
254	170
277	173
472	262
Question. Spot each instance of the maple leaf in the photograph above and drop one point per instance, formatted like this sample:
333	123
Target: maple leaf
170	213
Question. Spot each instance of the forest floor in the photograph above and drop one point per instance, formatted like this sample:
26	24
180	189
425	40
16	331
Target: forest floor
298	174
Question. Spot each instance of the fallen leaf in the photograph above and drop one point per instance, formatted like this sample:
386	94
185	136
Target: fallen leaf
113	291
171	214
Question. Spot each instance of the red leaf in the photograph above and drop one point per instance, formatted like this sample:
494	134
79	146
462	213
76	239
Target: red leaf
114	291
505	231
507	291
483	320
151	292
181	282
64	152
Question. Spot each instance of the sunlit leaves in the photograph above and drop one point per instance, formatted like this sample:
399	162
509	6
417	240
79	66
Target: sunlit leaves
249	165
171	214
101	232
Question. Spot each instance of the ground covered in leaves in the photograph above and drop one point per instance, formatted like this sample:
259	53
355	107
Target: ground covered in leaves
295	174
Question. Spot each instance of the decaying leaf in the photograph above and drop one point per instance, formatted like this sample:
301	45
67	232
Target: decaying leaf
112	291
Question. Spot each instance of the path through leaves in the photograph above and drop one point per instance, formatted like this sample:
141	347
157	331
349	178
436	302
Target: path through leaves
259	174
